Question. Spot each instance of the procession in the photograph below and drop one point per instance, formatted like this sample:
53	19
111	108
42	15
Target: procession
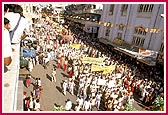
63	69
97	78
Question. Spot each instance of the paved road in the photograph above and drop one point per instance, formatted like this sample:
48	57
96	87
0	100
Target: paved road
52	91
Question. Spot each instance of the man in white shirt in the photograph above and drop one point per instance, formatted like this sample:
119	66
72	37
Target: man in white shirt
37	105
65	85
53	75
98	99
87	105
68	105
23	26
7	49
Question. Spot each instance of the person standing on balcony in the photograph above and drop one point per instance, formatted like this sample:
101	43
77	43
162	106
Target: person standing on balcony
23	27
7	48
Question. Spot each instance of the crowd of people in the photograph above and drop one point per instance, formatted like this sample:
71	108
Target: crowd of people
109	91
103	89
32	102
120	85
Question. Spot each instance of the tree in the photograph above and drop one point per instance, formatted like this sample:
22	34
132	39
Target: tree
158	104
58	108
129	107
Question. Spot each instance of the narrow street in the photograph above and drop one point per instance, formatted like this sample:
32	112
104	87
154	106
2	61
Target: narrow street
51	91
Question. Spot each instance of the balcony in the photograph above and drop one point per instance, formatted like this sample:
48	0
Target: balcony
12	88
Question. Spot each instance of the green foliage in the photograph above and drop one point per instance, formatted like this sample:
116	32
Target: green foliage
129	107
159	104
60	108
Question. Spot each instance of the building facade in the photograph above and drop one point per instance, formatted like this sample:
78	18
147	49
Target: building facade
140	25
85	16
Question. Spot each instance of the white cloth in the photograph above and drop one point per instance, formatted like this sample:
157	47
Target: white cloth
80	101
31	104
7	48
47	60
23	25
87	105
39	82
37	106
30	65
68	105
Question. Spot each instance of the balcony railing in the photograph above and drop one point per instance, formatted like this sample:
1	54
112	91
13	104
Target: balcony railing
10	100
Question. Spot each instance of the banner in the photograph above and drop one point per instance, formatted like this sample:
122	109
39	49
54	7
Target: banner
148	53
108	69
96	68
91	60
76	46
105	69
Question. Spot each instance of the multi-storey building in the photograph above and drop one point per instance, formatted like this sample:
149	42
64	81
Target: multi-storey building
137	25
85	16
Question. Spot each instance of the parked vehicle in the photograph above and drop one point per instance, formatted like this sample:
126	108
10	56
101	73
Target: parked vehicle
23	62
28	53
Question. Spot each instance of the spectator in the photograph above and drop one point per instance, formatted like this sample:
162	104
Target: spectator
23	27
7	49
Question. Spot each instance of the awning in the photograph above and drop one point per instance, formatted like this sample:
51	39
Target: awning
147	62
134	55
117	41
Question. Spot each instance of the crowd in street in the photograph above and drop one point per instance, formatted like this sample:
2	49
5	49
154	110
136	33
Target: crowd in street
94	89
105	91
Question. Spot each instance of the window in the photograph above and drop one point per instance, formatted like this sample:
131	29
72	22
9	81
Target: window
140	8
107	31
145	8
111	9
124	9
140	31
119	35
151	8
138	41
161	47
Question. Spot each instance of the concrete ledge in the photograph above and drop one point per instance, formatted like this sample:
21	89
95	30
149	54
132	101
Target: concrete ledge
20	97
10	82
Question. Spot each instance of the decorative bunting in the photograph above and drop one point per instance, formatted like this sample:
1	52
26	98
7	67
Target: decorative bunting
152	30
